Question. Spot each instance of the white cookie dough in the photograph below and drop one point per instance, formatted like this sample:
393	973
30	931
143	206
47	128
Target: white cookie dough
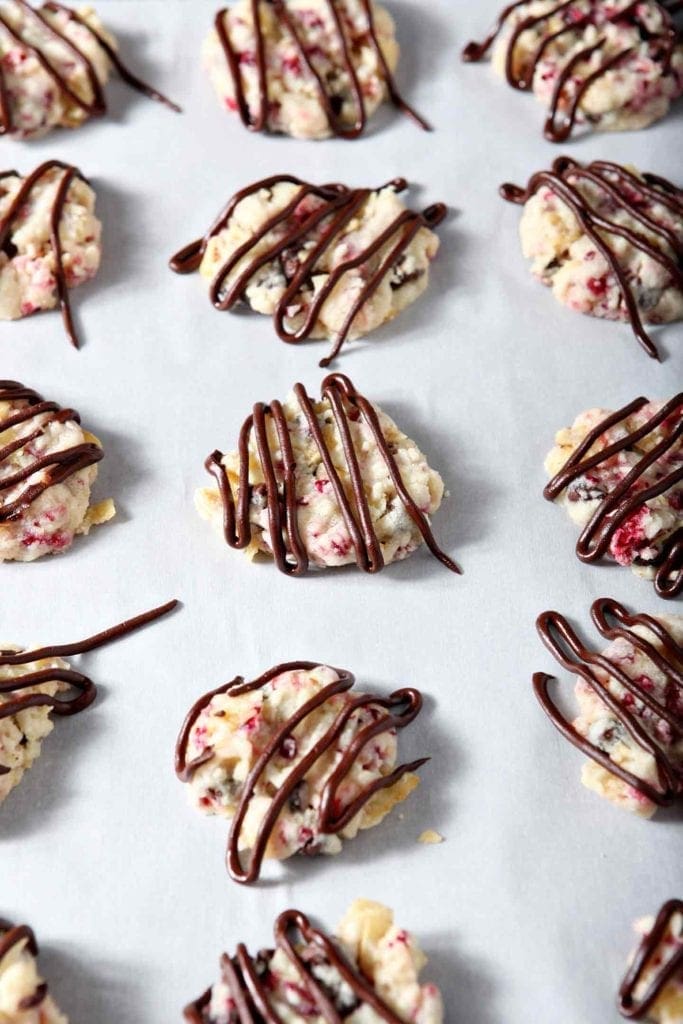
403	283
233	730
294	105
28	261
21	986
37	103
386	956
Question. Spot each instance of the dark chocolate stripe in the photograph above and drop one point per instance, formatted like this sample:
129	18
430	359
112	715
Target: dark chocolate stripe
619	184
567	649
82	690
629	495
286	542
637	1009
340	205
11	936
94	107
53	468
257	121
303	945
564	105
401	707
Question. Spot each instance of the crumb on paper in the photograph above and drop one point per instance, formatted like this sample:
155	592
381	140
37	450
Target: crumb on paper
430	837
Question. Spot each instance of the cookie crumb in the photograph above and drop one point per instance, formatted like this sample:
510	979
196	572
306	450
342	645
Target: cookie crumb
430	837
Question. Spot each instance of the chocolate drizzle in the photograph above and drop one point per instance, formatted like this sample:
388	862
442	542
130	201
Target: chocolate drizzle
339	205
246	977
56	212
11	936
54	467
286	543
564	106
632	492
637	1009
330	103
642	716
94	107
82	690
625	190
402	708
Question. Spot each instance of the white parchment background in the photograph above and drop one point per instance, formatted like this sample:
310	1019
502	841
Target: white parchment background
525	910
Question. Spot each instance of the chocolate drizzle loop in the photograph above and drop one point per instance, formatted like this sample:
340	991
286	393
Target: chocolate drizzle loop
637	1009
632	492
12	936
642	716
82	689
339	205
55	467
304	946
401	707
625	190
56	212
96	106
567	95
286	542
330	103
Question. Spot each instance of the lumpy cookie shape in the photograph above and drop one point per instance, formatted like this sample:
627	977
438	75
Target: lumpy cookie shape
54	63
24	996
48	465
619	475
630	698
306	68
652	989
327	483
50	241
36	684
297	760
614	66
607	239
367	973
324	261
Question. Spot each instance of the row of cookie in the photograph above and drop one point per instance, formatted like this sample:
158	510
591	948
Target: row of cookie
367	971
336	262
334	482
314	68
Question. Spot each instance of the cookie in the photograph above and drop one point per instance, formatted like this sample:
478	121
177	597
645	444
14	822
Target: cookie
630	701
652	989
24	996
324	261
48	465
54	62
50	241
367	972
619	475
327	483
607	239
614	66
36	684
305	68
296	759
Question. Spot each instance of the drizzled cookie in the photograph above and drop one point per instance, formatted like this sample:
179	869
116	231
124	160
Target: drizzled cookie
50	240
324	261
652	989
607	239
367	973
297	760
619	475
324	483
37	684
54	63
306	68
613	66
24	996
630	697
